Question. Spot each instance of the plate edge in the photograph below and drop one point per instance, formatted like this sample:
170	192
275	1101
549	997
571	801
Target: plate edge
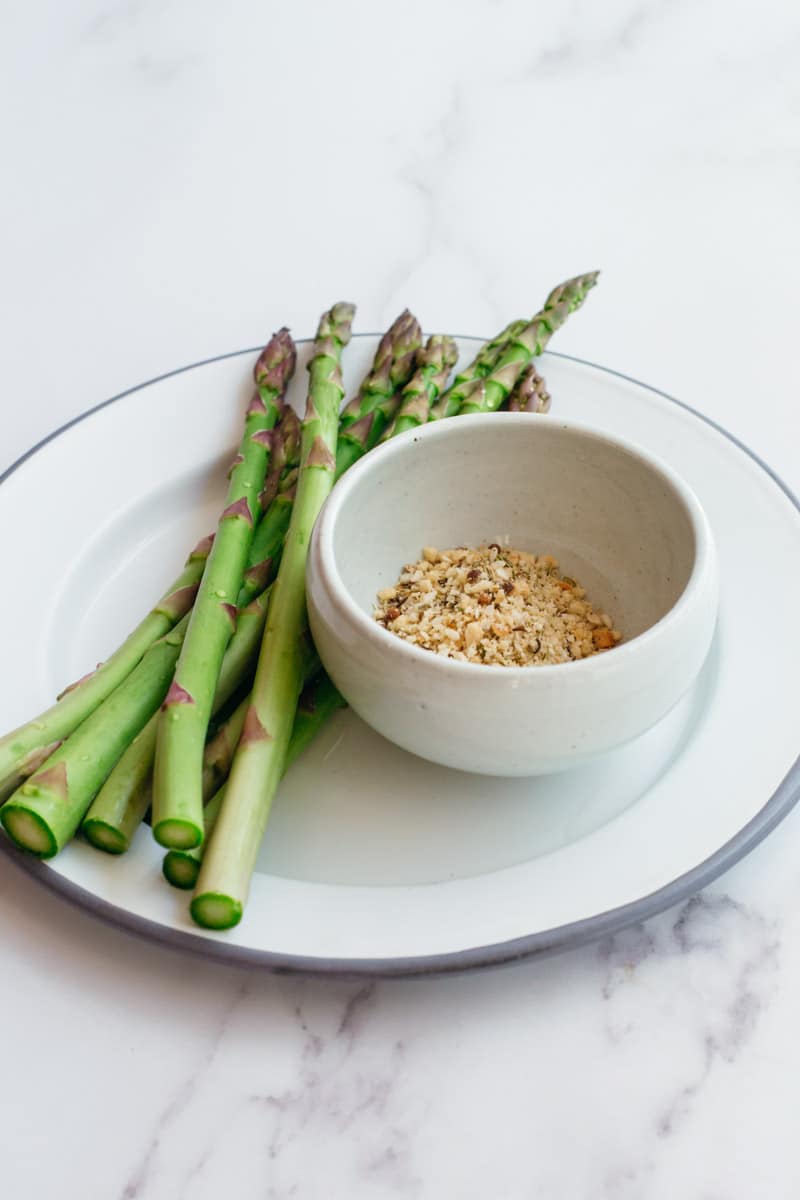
561	938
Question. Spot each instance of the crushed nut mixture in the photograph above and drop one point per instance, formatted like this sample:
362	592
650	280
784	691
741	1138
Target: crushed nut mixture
494	605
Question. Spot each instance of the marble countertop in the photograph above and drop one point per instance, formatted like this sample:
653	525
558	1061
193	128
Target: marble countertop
180	179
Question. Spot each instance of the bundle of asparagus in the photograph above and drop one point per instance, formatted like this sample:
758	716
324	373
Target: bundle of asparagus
229	635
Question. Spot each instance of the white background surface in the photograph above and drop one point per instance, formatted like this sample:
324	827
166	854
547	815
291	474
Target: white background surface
179	179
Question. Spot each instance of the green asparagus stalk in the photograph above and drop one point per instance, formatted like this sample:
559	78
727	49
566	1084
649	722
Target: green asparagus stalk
44	813
433	367
124	799
267	545
484	361
489	394
517	344
122	802
487	357
319	700
177	801
220	749
218	757
366	416
24	749
262	562
530	393
285	455
258	764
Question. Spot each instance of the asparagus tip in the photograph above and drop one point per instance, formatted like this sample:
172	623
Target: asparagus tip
335	324
276	362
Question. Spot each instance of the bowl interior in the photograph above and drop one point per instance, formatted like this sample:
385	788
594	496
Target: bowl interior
614	520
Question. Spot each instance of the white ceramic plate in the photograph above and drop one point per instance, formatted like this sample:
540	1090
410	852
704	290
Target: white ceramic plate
376	862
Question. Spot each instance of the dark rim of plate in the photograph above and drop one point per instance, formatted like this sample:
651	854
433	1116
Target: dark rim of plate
564	937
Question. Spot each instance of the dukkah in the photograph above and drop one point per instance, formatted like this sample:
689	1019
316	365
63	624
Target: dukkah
494	605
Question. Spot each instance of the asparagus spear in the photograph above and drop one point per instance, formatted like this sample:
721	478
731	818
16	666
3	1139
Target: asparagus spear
24	749
259	761
219	751
366	416
433	367
319	700
489	394
122	802
43	814
177	802
268	537
265	552
530	393
487	357
285	455
518	343
484	361
125	797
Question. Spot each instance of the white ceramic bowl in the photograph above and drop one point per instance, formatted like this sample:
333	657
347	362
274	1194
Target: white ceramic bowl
617	519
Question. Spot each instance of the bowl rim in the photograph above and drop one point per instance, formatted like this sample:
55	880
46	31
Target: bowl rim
322	560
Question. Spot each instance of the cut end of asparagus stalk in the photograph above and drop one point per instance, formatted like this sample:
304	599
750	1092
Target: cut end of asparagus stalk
29	831
181	869
105	837
213	910
175	834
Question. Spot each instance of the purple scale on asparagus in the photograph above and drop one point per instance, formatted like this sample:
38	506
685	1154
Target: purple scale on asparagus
203	547
178	603
176	695
37	758
239	508
259	574
53	779
320	455
253	730
256	405
71	687
361	429
263	437
231	612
